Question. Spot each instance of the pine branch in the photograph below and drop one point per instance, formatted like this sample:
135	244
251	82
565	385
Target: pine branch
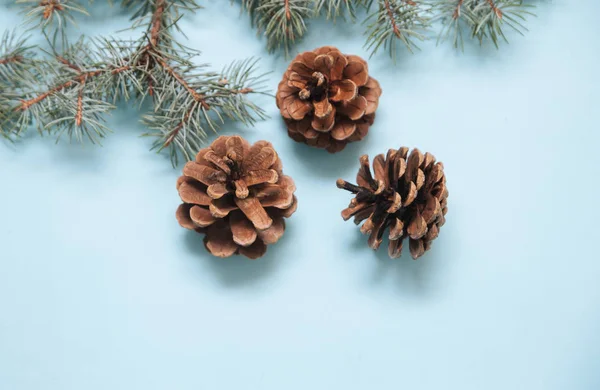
184	116
396	20
82	83
69	94
17	61
52	16
389	22
281	21
333	9
483	18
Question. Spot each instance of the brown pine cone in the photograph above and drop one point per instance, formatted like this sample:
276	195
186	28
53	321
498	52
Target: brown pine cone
328	99
408	195
237	195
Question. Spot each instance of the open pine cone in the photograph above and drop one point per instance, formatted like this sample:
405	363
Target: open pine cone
328	99
237	195
408	195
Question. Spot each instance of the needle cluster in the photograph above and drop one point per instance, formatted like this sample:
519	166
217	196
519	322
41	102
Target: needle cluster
389	24
70	89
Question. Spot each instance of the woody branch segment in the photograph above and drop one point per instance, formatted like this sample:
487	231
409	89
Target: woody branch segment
83	80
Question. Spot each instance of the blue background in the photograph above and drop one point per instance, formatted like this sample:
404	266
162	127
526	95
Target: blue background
101	289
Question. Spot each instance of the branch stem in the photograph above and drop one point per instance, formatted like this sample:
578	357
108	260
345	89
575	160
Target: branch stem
391	16
494	8
79	114
81	79
50	7
456	13
197	96
11	60
178	128
66	62
288	14
155	30
157	20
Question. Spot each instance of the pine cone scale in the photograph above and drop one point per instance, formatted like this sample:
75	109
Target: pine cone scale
254	251
343	130
201	216
357	72
242	230
203	173
195	193
274	233
254	211
183	216
217	191
219	240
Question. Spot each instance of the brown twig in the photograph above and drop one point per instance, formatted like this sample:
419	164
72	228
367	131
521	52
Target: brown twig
79	114
11	60
494	8
50	7
157	20
456	13
66	62
197	96
151	56
81	79
178	128
150	87
392	20
288	14
243	91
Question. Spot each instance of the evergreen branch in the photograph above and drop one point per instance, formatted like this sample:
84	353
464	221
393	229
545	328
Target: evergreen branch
16	57
17	61
281	21
74	88
389	22
396	20
483	18
332	9
74	99
52	16
184	113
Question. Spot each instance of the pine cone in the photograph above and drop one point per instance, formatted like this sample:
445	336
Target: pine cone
408	195
237	195
328	99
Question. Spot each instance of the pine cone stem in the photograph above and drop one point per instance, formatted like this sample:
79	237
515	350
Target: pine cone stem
348	187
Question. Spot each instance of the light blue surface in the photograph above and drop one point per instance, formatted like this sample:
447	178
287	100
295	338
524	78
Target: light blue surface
101	289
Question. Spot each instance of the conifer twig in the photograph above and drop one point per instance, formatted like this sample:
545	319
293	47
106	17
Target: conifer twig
389	22
484	19
396	20
283	22
52	16
84	81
